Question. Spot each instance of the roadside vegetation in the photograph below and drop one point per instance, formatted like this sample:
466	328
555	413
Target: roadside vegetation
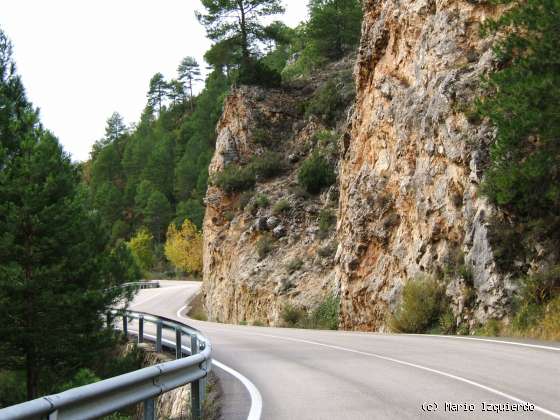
323	317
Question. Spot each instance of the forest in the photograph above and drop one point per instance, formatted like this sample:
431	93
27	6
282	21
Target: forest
148	181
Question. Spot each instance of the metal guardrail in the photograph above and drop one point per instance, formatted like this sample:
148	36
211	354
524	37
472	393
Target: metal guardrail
105	397
142	284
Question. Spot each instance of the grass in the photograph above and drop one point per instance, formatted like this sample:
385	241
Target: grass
196	310
281	207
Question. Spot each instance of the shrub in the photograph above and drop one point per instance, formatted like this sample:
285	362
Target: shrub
447	322
265	245
327	103
327	218
262	201
262	137
235	178
292	316
491	328
326	140
294	265
266	166
244	199
316	173
325	316
421	306
538	306
258	74
282	206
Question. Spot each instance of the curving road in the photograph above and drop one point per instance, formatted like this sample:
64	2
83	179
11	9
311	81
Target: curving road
308	374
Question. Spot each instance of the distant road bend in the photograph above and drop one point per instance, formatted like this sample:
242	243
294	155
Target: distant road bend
277	373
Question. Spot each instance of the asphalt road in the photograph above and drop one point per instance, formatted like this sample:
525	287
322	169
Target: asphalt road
307	374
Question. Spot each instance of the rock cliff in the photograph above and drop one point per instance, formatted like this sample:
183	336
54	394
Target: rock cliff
410	160
411	166
265	248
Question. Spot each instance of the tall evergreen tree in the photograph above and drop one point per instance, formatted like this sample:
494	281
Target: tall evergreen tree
189	72
522	102
238	21
334	26
158	91
54	266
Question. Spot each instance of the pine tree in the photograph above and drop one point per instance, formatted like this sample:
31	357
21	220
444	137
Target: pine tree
55	269
189	72
238	21
158	91
334	26
522	102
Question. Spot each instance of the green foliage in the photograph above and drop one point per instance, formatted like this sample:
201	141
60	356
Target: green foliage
537	307
327	103
54	255
294	265
191	209
265	245
83	377
262	137
267	165
255	72
316	173
281	207
235	178
334	26
325	316
12	387
333	31
522	102
327	219
423	301
237	25
292	316
244	199
262	201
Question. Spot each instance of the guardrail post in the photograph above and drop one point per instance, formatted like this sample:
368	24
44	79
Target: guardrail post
178	346
140	329
150	409
125	325
196	402
158	336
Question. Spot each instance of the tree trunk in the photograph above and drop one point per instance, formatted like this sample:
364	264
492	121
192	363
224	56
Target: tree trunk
244	34
32	375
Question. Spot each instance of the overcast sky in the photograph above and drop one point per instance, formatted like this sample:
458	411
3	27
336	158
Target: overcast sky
81	60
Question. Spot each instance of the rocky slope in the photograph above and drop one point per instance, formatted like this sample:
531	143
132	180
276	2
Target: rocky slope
412	165
264	248
411	160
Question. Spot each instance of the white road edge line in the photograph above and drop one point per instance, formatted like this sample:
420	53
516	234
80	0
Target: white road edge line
401	362
255	411
512	343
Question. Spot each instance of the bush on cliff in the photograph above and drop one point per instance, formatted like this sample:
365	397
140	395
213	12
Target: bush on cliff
316	173
423	302
234	178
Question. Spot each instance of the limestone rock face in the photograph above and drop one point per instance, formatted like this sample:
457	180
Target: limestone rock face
412	160
256	259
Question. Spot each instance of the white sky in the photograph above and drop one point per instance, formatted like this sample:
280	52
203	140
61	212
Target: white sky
81	60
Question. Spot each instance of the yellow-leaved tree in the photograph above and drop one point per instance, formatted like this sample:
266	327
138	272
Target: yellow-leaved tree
183	247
